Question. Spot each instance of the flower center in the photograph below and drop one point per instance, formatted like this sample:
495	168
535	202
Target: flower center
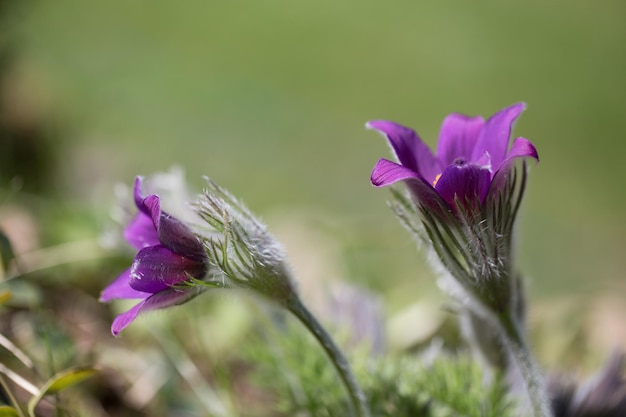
458	161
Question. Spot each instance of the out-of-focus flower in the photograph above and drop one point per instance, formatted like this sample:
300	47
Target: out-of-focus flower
472	160
169	257
359	314
604	394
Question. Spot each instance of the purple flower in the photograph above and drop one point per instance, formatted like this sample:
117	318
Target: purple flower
169	254
465	199
473	159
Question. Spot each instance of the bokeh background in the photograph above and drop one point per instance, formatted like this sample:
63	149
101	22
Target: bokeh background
269	98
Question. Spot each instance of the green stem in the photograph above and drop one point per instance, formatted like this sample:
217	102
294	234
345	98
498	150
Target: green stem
535	387
11	397
357	397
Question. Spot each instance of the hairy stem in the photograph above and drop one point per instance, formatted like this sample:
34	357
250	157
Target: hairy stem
516	341
357	397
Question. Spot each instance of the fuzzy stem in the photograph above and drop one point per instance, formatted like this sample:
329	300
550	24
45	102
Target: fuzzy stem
528	366
357	397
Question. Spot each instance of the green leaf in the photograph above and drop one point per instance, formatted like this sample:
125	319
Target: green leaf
6	411
59	382
394	385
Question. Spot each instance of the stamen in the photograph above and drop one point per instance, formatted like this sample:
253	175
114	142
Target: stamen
436	179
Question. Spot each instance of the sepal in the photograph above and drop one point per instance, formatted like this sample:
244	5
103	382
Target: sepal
240	247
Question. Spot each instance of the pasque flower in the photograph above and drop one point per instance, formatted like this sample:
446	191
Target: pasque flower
465	197
463	203
472	160
227	247
169	256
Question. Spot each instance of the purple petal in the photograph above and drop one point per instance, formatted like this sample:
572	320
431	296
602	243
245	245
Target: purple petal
120	289
176	236
484	162
386	172
152	207
138	197
123	320
495	135
163	299
458	137
522	148
172	233
409	148
467	182
157	268
141	232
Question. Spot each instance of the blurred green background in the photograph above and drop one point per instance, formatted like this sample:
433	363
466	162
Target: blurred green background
269	98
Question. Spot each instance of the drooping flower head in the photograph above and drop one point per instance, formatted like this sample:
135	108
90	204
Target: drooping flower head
168	256
472	159
465	196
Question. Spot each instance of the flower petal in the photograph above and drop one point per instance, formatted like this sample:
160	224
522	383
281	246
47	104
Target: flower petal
495	135
408	148
458	137
123	320
120	289
522	148
140	232
172	233
138	197
152	207
176	236
163	299
157	268
468	183
386	172
147	220
149	206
